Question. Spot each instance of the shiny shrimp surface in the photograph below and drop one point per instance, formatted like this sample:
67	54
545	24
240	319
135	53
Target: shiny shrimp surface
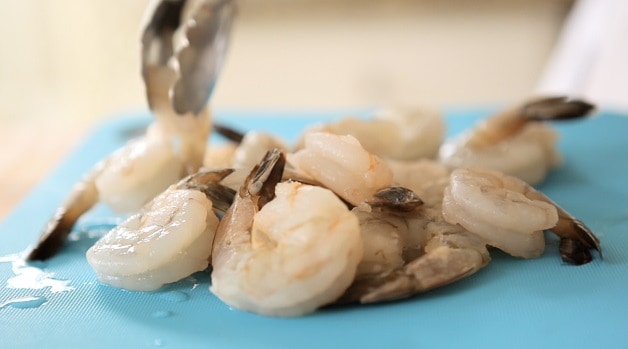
516	141
395	133
341	164
168	240
495	207
297	252
511	215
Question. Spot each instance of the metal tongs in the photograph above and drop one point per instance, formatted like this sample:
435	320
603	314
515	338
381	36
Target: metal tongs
184	44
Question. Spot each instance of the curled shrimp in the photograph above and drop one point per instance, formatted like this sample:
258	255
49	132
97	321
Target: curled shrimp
389	230
446	258
246	155
445	240
395	133
342	165
419	174
515	141
511	215
244	149
407	253
125	181
170	239
284	255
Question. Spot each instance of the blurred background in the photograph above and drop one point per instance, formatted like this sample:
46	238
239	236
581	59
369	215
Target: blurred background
66	65
73	59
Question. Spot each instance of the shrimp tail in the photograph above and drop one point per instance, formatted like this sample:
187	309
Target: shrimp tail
83	197
556	108
208	182
576	239
513	120
229	133
256	190
261	182
396	199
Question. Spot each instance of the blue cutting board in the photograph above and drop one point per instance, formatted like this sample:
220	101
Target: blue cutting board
513	303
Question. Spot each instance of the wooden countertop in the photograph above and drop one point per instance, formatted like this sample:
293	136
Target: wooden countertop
30	152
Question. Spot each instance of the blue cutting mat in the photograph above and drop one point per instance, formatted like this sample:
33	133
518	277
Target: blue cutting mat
511	303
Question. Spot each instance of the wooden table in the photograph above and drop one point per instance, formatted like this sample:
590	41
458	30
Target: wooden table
29	153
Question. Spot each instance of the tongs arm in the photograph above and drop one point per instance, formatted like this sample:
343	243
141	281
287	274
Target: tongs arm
184	44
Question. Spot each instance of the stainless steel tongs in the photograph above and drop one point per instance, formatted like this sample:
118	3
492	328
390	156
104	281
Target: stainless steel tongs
184	43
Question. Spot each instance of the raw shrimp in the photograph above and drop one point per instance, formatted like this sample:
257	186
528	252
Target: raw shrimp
125	180
219	155
252	147
342	165
168	240
511	215
148	165
401	134
419	174
384	238
242	153
446	258
479	207
515	141
287	255
412	252
179	39
390	235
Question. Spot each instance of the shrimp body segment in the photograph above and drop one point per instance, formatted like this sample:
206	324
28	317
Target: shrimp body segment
128	178
495	207
342	165
447	258
120	184
511	215
167	241
528	155
515	141
401	134
296	253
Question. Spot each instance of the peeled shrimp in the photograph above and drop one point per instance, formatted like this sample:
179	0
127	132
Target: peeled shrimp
443	241
126	180
509	214
247	154
147	166
401	134
496	208
389	239
412	252
287	255
219	156
383	239
253	146
446	258
342	165
244	151
167	241
419	174
515	142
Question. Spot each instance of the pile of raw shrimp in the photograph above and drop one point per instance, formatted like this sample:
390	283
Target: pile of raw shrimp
358	211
